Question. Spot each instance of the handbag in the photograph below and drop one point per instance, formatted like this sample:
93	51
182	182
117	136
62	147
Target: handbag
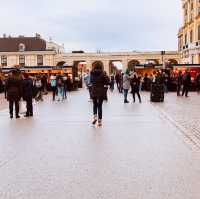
22	107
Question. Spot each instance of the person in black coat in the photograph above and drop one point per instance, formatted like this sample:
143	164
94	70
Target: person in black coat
198	83
27	94
14	92
186	83
98	81
135	85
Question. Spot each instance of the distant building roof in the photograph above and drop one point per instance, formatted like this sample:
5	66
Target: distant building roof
15	44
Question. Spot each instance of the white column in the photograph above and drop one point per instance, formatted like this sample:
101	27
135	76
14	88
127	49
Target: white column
106	66
124	64
89	65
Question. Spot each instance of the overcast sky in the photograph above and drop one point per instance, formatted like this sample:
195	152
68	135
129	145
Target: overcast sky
90	25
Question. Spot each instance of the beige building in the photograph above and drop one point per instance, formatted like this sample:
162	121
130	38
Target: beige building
28	51
189	33
36	52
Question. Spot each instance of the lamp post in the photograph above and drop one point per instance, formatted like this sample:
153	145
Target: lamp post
163	63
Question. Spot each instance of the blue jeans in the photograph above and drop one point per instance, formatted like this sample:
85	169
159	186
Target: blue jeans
125	94
97	107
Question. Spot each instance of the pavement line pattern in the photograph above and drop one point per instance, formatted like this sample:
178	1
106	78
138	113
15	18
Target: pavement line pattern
190	139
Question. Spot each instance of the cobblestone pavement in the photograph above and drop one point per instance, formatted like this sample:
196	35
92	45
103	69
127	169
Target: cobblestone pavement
58	154
183	113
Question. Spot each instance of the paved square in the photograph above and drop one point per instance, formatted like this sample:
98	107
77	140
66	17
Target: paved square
138	153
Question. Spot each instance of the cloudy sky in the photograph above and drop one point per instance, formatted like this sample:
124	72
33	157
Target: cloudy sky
90	25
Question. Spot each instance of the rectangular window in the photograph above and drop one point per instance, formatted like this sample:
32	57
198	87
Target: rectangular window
191	36
40	60
185	39
4	60
198	32
22	60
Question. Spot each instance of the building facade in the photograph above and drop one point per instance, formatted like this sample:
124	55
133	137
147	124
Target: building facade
27	51
34	51
189	33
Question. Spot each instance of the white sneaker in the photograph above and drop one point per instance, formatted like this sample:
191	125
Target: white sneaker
99	122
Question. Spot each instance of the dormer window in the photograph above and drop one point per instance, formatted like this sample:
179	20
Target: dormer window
22	47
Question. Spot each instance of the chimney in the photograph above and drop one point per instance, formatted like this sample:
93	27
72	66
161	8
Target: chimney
37	36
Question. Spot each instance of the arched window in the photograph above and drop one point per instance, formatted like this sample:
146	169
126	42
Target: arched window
22	47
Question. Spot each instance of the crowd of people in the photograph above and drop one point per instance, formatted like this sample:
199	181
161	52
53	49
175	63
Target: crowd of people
19	86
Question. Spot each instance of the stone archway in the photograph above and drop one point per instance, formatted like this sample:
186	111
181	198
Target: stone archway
172	62
152	62
132	64
61	63
113	66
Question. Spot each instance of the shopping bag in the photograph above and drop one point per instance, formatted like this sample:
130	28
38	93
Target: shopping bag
22	107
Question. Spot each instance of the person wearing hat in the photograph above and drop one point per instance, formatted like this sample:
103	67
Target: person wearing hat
14	92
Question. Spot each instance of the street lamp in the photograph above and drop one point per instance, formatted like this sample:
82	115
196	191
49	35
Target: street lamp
163	63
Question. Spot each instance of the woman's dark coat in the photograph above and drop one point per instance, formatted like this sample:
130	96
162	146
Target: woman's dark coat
14	89
135	83
98	80
27	89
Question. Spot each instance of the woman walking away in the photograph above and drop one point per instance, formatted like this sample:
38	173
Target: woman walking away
98	81
126	85
136	87
14	92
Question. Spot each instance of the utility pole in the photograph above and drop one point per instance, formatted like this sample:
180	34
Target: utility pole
163	63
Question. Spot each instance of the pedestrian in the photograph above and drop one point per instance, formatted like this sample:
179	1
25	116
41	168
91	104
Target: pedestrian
98	81
38	85
65	87
146	82
60	89
1	85
14	92
106	87
198	83
27	94
186	83
179	83
44	84
112	83
136	87
126	85
117	79
53	83
87	82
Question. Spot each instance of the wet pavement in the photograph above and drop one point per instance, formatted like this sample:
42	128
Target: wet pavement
140	152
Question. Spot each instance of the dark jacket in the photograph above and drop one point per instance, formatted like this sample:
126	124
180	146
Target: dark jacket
14	89
198	79
187	79
179	79
135	83
98	80
27	89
